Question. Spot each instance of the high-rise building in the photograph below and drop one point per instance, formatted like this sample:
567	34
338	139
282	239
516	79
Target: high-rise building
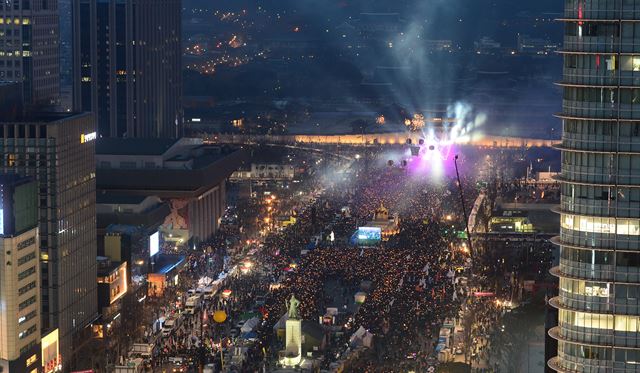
29	48
19	275
57	150
599	294
127	66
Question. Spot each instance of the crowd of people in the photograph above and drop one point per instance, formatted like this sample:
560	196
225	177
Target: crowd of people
411	289
409	278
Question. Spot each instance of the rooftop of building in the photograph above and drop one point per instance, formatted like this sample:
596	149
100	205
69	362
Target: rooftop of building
540	215
106	266
118	146
186	169
118	199
46	117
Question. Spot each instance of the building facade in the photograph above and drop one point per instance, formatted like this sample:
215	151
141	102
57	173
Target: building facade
29	48
127	66
186	174
58	152
19	275
599	271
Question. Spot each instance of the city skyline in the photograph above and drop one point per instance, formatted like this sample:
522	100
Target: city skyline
336	186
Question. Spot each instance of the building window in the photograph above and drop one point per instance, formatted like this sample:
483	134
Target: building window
128	165
32	359
27	303
27	317
26	288
26	273
26	333
27	258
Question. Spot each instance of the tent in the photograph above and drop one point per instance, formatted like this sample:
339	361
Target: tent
280	326
249	336
361	337
249	325
205	281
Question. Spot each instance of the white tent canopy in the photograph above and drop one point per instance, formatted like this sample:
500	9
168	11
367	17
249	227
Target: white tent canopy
282	322
249	325
361	337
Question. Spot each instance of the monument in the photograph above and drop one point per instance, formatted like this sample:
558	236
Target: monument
292	354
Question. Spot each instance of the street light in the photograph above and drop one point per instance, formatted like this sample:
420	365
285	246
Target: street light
464	209
220	317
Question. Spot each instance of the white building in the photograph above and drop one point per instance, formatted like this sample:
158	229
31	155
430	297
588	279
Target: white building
19	276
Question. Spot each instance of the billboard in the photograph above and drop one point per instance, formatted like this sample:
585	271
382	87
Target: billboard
51	359
369	235
154	244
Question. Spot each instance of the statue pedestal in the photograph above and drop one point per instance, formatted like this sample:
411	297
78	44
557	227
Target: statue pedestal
292	354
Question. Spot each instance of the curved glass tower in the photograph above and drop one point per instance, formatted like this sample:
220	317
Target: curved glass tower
599	294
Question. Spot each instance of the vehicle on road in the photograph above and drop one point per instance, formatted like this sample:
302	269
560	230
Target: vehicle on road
168	327
192	304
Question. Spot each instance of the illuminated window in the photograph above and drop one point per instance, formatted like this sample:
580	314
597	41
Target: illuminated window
588	288
591	224
32	359
86	79
621	323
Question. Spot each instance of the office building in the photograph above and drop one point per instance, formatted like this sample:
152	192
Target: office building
19	275
11	104
127	66
599	271
29	48
186	174
57	150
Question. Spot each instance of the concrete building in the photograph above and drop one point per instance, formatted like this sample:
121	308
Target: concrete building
265	171
127	66
11	103
186	174
19	275
112	286
29	52
599	303
57	150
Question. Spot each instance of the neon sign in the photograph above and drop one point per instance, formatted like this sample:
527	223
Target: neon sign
86	137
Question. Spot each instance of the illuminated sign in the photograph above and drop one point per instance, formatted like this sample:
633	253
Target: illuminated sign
154	244
118	287
51	359
369	233
86	137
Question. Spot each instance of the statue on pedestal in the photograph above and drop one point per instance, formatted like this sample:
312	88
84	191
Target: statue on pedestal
293	308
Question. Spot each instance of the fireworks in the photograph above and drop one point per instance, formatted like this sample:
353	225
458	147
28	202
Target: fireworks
416	123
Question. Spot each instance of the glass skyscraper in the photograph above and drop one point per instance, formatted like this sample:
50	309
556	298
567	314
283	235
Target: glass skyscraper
599	294
127	66
29	48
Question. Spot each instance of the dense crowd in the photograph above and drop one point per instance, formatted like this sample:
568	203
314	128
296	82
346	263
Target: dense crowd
411	288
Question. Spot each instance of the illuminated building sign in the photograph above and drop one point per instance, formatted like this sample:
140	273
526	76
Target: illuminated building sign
51	359
86	137
154	244
369	235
